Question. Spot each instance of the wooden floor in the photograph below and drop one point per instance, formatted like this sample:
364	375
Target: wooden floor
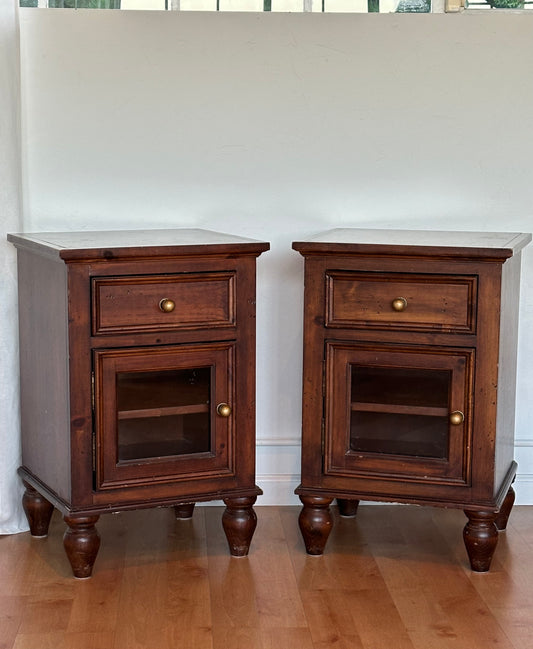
396	577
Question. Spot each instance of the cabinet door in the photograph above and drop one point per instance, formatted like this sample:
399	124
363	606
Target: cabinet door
163	414
398	412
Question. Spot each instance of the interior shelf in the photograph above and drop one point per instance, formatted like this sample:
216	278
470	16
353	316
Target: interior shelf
430	411
168	411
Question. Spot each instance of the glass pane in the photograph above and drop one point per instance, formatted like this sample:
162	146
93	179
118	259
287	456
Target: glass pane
240	5
400	411
287	5
84	4
163	413
499	4
197	5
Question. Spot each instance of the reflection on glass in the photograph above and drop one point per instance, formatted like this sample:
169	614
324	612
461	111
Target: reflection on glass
399	411
163	413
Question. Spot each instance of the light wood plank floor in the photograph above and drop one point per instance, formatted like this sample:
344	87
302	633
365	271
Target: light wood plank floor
396	577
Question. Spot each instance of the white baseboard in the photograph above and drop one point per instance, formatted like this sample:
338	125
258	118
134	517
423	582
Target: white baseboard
278	471
278	489
523	487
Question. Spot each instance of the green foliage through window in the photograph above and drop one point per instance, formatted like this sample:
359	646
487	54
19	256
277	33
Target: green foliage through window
84	4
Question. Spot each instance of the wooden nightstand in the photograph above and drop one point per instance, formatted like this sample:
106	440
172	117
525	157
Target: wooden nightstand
409	376
137	378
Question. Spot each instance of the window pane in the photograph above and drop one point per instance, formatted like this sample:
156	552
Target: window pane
346	6
143	4
198	5
84	4
287	5
240	5
500	4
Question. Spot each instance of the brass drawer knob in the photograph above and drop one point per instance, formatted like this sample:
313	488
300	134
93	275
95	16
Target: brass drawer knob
224	410
456	418
167	305
399	304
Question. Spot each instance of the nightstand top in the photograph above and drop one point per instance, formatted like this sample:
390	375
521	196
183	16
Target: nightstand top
415	242
111	244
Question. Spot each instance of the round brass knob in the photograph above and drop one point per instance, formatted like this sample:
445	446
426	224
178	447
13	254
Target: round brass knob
456	418
224	410
399	304
167	305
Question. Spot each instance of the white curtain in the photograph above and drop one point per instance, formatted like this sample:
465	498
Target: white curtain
11	515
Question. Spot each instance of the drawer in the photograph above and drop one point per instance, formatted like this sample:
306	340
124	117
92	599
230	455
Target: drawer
401	301
163	302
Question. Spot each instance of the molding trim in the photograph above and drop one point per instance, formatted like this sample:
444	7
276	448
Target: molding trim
296	441
279	477
523	487
279	441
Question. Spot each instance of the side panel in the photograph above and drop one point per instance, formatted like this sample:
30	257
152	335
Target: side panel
505	417
44	370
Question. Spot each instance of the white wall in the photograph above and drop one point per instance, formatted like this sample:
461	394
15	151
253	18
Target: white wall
277	126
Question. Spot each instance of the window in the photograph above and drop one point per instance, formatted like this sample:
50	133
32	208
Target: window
317	6
499	4
296	6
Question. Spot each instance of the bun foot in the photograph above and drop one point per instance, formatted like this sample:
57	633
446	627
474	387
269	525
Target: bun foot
316	523
347	508
82	542
38	511
239	522
481	537
184	512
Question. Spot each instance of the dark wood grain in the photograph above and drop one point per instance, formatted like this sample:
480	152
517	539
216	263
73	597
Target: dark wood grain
81	542
89	313
122	304
44	371
371	432
316	522
239	521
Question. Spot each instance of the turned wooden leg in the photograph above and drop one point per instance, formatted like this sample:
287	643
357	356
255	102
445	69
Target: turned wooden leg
505	510
316	523
239	522
184	512
38	511
481	537
347	508
81	541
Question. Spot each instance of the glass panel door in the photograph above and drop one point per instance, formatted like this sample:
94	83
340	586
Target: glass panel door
157	417
398	412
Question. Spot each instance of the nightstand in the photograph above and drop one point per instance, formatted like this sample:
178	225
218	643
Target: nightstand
137	356
409	376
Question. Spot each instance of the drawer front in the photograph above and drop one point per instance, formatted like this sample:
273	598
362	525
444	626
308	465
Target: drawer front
163	302
401	301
